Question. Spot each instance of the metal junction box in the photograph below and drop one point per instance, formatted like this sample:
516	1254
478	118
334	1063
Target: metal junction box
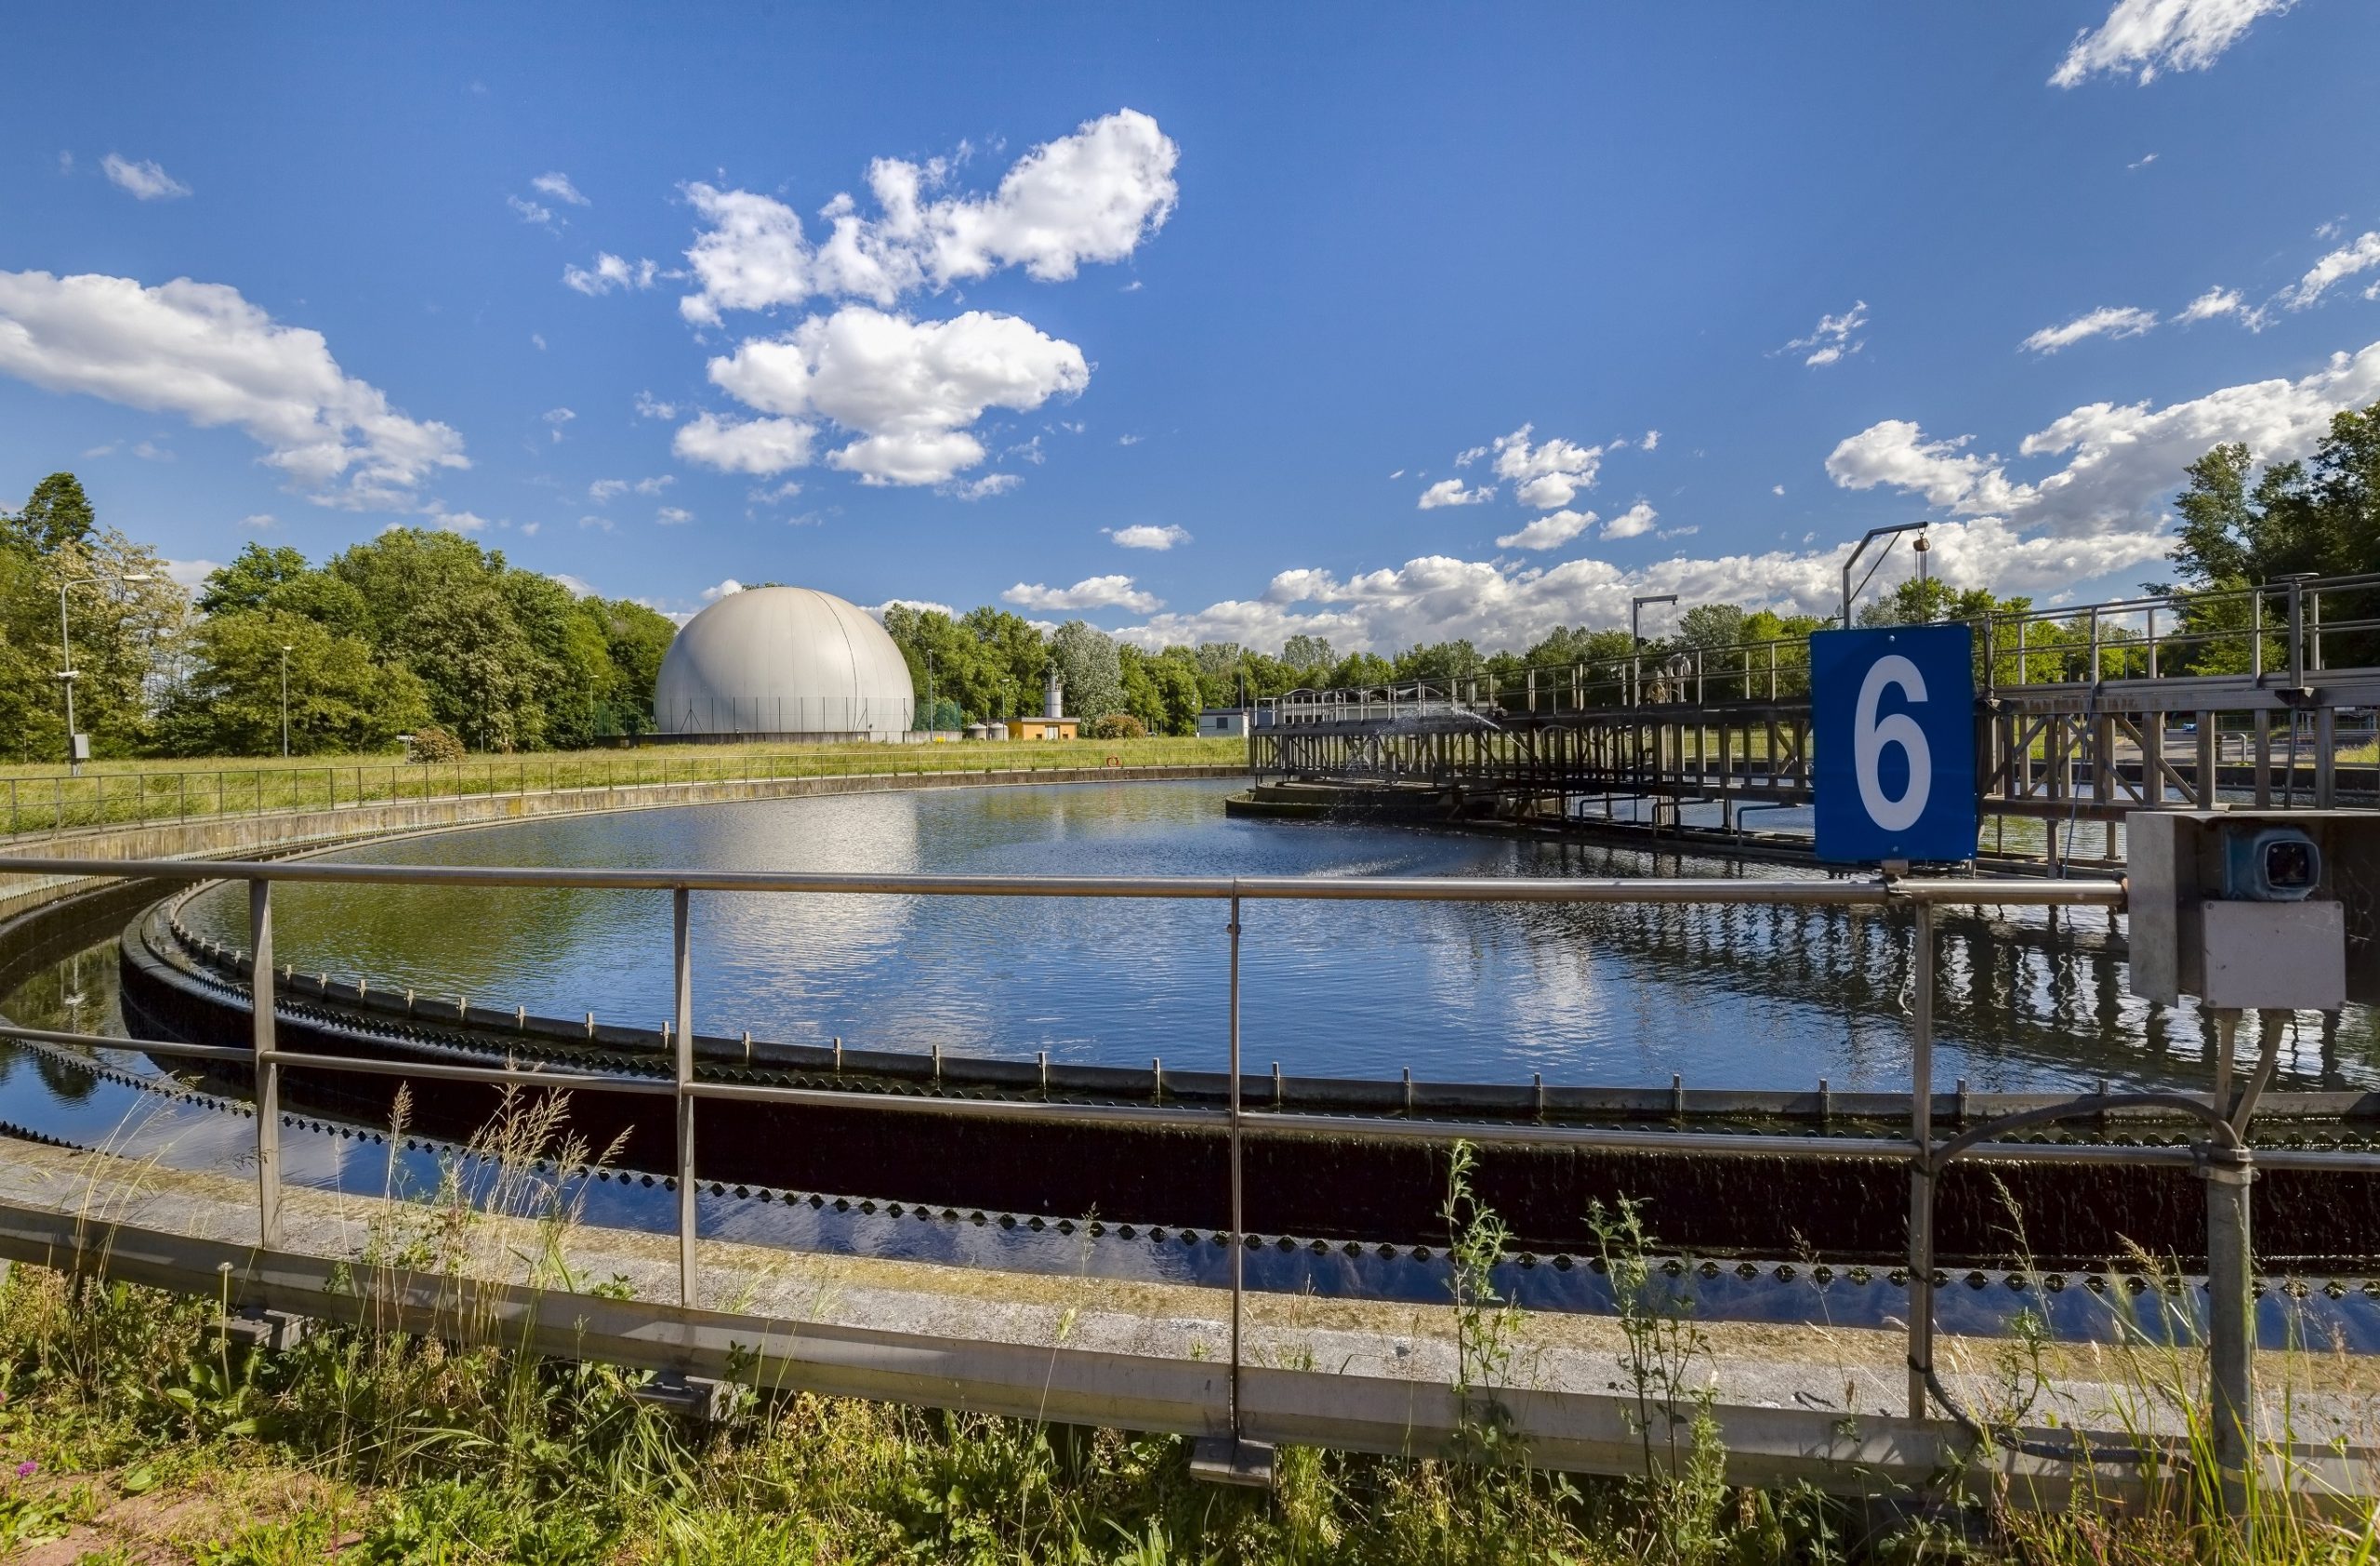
2259	909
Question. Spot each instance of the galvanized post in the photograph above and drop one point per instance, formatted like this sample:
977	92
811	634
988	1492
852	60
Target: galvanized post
2230	1324
1921	1173
2326	758
683	1029
260	1005
1238	1240
2296	635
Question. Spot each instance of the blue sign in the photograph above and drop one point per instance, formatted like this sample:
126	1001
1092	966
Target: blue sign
1893	722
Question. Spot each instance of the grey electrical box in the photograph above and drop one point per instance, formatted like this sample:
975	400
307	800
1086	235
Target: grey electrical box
78	747
2260	910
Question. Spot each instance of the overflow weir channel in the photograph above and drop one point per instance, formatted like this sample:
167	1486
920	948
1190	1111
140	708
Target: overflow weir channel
1330	1161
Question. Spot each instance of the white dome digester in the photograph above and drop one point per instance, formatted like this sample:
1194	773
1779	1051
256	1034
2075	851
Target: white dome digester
783	663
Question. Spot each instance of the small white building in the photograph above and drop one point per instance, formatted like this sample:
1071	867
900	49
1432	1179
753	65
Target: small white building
1223	722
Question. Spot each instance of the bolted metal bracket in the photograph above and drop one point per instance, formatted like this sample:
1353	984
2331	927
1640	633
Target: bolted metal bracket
697	1398
274	1332
1228	1459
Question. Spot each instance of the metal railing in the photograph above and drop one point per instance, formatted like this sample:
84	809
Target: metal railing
49	805
685	1088
2276	632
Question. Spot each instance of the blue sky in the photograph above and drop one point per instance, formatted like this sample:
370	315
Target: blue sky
1244	282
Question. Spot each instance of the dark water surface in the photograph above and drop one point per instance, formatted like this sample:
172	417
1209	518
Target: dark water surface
1743	998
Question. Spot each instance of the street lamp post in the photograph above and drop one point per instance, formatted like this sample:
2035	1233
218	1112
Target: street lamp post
1636	640
285	701
933	714
66	656
1893	533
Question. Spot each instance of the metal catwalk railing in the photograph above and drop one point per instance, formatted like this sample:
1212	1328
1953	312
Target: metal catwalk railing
2224	1158
2277	631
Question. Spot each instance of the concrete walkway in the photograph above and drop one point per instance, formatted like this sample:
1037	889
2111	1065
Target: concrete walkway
1790	1402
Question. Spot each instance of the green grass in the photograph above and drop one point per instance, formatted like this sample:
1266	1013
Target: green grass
129	1432
44	799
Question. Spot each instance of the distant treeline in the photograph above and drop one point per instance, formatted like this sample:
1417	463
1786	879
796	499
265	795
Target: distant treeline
419	628
413	629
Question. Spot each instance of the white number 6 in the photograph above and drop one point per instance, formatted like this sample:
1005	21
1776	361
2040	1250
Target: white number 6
1869	738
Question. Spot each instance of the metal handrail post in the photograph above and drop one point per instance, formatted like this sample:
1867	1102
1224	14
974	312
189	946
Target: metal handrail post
2230	1322
1238	1225
683	1024
260	1007
1921	1178
2297	641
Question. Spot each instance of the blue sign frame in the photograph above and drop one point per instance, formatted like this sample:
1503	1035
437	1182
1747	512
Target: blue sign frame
1892	719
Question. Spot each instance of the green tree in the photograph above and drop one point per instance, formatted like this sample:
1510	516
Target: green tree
2322	515
55	514
436	606
1310	656
125	633
1087	661
1143	699
1176	677
635	641
251	579
1440	661
341	699
571	662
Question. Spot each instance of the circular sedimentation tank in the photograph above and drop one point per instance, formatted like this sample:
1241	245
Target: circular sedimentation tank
784	663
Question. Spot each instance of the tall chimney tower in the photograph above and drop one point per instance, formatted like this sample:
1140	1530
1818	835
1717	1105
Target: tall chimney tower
1054	695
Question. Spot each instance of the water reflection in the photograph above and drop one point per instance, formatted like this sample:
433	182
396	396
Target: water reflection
1770	998
111	1099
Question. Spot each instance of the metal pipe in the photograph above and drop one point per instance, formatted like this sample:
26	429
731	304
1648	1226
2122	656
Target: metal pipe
261	1018
1238	1216
493	1076
2230	1323
1714	889
688	1283
1920	1175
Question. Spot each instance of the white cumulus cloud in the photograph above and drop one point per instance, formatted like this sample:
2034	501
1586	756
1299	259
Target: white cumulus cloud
2214	302
1091	592
558	185
1638	518
907	388
1438	597
605	489
1896	454
759	446
1548	532
2122	461
2108	321
201	351
1450	492
146	180
610	273
1547	475
1146	536
2339	265
1091	197
2148	37
1833	337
